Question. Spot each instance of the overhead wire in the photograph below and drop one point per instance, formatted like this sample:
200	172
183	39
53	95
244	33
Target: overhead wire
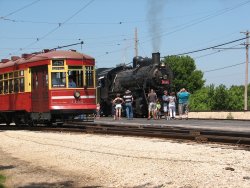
56	28
218	51
11	13
104	23
224	67
204	18
199	20
212	47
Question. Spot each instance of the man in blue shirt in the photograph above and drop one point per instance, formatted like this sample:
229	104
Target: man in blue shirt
183	97
72	84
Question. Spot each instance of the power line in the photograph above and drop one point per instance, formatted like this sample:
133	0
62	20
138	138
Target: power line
212	47
218	51
199	20
4	17
53	30
56	23
224	67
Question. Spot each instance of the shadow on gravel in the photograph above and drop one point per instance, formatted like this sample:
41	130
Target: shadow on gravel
55	185
49	185
148	185
6	167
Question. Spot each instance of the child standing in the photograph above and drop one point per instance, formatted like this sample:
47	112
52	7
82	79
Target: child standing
158	109
172	107
98	111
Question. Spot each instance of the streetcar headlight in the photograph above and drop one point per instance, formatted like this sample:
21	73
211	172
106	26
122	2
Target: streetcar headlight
77	94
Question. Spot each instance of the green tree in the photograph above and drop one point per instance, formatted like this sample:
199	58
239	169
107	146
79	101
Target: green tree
185	73
220	98
217	98
236	98
202	99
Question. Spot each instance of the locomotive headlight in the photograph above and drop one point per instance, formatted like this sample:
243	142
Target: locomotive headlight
165	77
77	94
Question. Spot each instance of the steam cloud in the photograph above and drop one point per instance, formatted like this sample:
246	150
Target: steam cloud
154	17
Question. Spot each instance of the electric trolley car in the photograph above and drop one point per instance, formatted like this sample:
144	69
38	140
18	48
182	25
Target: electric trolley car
35	88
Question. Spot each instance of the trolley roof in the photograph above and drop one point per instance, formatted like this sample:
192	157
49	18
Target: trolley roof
39	56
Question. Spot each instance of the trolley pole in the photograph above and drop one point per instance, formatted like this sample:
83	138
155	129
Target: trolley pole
246	74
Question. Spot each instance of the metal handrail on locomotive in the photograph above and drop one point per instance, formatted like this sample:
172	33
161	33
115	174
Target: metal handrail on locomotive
145	74
36	88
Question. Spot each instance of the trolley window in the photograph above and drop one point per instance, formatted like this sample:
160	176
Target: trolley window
75	78
12	82
21	73
16	85
58	79
21	84
6	85
5	76
18	81
89	74
11	86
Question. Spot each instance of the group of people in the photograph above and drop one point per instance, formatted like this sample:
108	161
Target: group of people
117	103
154	105
169	104
127	100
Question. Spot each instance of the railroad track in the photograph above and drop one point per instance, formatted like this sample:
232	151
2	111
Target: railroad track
241	139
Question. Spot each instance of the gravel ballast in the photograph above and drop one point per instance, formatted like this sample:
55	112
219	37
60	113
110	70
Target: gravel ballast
78	160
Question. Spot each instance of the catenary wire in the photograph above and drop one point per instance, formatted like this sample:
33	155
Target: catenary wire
225	67
11	13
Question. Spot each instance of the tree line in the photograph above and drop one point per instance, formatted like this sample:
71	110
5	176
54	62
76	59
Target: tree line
204	98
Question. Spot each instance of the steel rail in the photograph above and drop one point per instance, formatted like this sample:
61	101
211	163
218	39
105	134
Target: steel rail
240	139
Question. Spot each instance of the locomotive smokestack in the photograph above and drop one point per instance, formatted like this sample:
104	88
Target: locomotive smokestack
156	58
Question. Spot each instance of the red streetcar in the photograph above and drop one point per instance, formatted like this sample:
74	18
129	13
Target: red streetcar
49	87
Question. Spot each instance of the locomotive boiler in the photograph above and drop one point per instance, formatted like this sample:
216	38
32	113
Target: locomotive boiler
145	74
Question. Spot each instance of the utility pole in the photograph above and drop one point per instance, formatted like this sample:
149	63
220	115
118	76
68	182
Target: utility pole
246	74
136	43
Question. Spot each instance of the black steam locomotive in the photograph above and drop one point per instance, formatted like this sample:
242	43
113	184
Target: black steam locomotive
145	74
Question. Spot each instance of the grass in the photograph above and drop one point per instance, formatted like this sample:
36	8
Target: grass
2	180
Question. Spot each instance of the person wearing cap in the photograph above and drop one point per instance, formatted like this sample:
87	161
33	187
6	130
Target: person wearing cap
128	100
183	97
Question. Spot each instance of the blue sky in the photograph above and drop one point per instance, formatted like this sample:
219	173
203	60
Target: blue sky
107	29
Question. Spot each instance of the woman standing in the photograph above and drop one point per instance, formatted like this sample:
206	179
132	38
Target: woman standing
118	106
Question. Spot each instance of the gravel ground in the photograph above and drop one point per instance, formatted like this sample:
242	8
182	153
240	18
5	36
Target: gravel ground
38	159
